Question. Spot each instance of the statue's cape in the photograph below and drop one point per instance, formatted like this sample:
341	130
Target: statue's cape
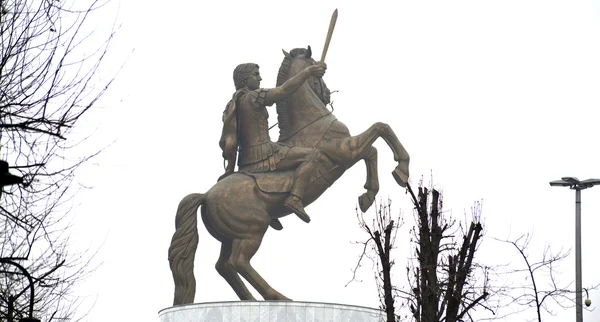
229	136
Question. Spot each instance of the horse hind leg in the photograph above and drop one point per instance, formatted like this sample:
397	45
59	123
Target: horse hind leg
227	271
372	185
242	252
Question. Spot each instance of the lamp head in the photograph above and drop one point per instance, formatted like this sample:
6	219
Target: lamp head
560	183
590	182
571	180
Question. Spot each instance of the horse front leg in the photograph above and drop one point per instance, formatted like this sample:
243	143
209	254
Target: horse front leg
372	185
351	149
401	156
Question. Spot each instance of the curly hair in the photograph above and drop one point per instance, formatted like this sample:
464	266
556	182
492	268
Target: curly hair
241	73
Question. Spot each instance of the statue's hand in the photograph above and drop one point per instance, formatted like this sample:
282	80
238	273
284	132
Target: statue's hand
318	69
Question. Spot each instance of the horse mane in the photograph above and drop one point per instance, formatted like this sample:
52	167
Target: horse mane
283	117
318	86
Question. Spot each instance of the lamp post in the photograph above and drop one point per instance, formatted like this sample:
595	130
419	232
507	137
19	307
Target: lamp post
7	179
31	288
575	184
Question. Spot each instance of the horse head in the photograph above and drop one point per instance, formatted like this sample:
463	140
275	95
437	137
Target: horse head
298	59
306	105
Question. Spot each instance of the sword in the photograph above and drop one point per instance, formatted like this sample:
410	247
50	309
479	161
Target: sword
329	34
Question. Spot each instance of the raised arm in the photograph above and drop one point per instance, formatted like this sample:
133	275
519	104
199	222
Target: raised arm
293	84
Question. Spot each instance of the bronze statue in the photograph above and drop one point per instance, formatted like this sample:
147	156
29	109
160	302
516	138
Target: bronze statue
239	208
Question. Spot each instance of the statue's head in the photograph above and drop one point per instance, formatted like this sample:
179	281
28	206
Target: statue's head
246	75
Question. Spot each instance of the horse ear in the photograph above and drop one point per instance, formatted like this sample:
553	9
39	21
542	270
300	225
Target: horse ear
285	53
308	52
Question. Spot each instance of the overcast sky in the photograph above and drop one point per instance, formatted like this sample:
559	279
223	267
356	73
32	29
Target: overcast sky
494	98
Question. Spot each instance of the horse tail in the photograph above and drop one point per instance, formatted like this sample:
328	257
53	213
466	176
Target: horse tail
183	248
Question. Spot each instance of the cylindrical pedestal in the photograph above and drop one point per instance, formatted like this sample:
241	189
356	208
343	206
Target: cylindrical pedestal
269	311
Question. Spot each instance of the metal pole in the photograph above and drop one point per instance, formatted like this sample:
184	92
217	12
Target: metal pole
26	273
11	308
578	293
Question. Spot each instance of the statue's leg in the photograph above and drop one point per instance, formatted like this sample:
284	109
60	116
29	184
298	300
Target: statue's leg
304	161
230	275
372	185
242	252
309	165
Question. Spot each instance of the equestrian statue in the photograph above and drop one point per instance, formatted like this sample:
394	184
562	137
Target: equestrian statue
274	179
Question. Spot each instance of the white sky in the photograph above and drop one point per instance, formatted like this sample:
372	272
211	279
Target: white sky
496	98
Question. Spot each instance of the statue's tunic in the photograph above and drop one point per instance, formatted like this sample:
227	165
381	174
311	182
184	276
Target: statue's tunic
256	151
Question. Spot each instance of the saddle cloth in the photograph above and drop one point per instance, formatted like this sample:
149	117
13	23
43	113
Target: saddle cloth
278	181
282	181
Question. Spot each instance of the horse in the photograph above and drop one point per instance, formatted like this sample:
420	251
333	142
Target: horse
238	210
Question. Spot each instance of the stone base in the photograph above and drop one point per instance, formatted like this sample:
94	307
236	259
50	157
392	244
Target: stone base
269	311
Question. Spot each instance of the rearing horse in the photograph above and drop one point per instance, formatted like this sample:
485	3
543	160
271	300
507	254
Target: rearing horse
237	210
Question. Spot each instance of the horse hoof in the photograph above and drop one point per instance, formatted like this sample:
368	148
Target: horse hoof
365	201
401	177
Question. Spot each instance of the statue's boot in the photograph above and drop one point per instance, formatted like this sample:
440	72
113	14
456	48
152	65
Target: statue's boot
276	224
295	204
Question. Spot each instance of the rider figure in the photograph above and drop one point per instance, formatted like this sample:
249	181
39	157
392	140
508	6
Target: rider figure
246	126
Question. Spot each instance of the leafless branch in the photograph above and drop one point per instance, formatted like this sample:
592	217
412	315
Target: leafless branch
48	80
542	284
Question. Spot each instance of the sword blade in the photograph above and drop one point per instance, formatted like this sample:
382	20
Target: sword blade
329	34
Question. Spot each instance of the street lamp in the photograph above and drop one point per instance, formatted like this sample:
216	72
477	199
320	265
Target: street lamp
6	178
575	184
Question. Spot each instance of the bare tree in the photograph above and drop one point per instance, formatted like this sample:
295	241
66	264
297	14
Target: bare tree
444	285
47	82
378	246
542	290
